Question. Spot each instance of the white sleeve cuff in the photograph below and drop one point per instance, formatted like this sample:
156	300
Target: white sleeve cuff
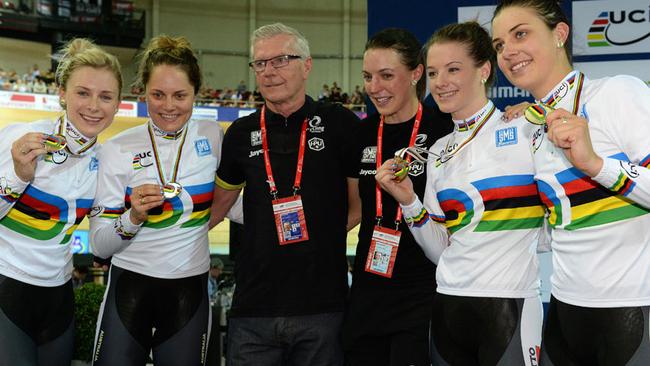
127	225
609	173
413	209
12	184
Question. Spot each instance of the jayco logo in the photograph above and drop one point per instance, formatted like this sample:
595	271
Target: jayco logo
602	34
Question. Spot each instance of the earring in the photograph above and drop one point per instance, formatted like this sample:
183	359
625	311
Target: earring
483	81
560	44
62	103
414	82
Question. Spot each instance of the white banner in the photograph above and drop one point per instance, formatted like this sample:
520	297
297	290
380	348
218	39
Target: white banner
611	27
481	14
47	102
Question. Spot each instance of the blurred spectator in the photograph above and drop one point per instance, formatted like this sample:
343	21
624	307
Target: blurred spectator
39	86
241	88
216	268
79	276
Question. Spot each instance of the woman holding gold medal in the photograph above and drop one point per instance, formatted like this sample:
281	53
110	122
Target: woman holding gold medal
591	155
154	193
480	219
387	322
48	177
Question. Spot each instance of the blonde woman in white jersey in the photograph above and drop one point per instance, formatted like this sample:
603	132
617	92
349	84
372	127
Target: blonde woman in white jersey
591	162
48	176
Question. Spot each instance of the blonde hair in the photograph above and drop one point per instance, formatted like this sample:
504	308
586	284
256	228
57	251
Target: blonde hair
174	51
80	52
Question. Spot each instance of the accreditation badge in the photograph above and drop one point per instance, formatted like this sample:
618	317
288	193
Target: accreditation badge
383	251
290	220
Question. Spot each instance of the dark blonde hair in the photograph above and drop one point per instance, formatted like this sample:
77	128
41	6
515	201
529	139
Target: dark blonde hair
475	38
549	11
80	52
174	51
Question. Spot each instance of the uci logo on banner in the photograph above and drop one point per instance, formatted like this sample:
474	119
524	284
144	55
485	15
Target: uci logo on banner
611	27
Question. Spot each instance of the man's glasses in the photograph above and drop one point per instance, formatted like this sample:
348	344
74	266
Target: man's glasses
277	62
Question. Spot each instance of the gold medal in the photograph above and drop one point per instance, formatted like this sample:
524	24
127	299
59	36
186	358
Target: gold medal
536	113
171	189
55	142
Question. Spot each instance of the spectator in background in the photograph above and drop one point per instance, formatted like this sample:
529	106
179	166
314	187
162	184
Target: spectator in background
39	86
324	94
241	88
79	275
216	269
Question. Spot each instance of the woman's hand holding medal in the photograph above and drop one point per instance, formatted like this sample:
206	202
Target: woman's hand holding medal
25	152
400	188
571	133
143	198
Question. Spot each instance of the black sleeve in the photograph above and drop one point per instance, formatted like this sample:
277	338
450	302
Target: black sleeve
229	174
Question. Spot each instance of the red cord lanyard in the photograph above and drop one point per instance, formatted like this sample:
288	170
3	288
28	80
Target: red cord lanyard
380	136
267	160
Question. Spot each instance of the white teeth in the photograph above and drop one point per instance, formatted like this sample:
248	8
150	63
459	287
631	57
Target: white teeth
447	94
382	100
91	119
519	65
168	116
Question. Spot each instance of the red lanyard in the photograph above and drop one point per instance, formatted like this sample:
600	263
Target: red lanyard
267	160
380	137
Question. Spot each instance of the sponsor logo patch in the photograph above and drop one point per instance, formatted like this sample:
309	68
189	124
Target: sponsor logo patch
315	125
256	138
316	143
506	136
202	147
142	160
93	165
369	154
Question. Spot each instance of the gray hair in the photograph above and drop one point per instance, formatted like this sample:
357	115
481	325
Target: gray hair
300	45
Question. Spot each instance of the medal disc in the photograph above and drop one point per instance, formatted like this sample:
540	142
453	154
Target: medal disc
172	189
536	113
55	142
401	169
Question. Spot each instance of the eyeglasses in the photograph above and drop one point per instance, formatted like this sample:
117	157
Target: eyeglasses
277	62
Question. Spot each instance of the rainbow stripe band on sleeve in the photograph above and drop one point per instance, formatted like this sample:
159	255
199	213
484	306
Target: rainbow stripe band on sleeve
624	185
645	162
419	219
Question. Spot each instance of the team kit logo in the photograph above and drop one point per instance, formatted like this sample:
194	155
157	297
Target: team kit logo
142	160
606	29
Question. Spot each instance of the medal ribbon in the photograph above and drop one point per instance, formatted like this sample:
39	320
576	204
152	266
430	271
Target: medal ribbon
157	156
478	128
552	101
379	161
267	161
63	126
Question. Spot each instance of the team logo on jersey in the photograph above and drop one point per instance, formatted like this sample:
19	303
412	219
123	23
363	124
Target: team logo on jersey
506	136
416	168
256	138
142	160
538	137
420	139
316	143
202	147
93	165
533	355
95	211
630	169
369	154
314	125
255	153
56	157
